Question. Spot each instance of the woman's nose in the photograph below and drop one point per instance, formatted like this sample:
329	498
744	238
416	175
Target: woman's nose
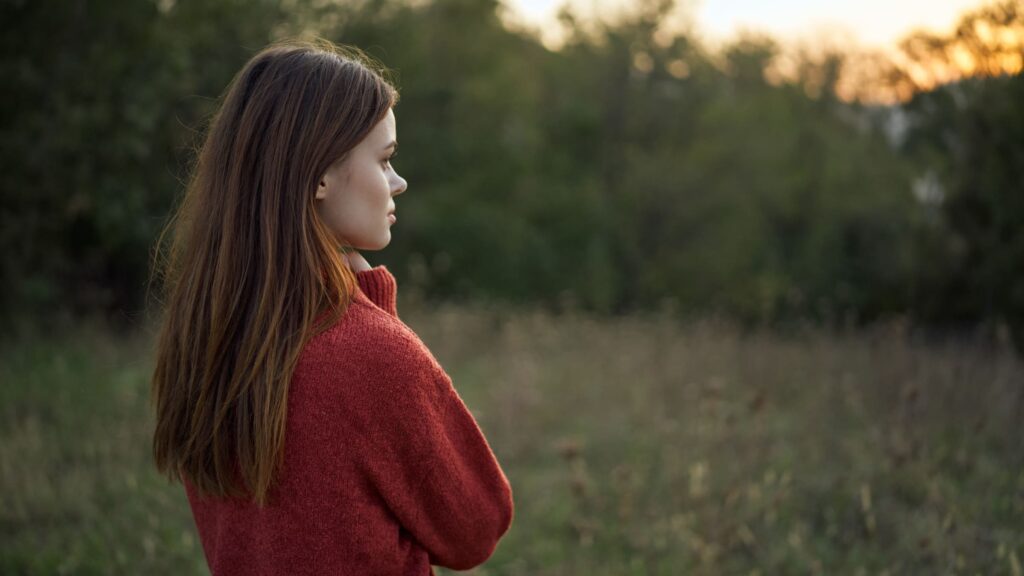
399	185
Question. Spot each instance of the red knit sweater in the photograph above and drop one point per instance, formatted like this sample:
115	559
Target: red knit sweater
385	470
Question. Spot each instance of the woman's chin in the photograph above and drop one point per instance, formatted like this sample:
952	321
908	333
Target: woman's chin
379	244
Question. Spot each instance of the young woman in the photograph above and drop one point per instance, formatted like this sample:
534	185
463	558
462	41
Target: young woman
313	431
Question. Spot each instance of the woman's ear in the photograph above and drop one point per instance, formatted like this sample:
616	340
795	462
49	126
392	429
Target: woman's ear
335	176
321	189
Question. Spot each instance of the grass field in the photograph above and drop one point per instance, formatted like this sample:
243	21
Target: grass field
634	446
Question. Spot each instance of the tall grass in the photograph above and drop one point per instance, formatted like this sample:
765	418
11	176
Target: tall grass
634	446
78	491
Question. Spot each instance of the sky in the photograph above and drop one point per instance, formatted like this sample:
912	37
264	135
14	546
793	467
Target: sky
868	23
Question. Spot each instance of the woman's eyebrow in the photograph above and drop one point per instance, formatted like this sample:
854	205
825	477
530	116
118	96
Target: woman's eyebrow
392	144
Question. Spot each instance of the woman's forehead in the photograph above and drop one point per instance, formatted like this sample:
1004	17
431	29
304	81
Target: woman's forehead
384	132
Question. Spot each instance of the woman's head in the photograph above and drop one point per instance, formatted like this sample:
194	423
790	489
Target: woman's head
290	171
304	122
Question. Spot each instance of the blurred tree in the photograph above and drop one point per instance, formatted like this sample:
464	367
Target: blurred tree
630	167
967	138
83	146
972	133
988	41
91	129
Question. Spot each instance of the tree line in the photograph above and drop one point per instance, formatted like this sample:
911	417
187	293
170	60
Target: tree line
633	168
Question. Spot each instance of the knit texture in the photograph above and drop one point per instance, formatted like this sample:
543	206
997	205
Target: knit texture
385	470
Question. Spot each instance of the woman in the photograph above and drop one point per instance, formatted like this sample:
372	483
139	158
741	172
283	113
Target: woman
312	429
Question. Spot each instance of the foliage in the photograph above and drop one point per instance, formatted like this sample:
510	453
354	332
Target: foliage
969	137
631	169
94	128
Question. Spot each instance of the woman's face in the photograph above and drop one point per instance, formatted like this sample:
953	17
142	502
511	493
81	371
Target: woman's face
354	197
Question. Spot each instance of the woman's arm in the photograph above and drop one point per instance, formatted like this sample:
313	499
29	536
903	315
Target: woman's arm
427	456
432	465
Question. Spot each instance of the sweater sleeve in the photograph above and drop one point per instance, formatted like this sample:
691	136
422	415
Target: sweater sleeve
380	287
433	467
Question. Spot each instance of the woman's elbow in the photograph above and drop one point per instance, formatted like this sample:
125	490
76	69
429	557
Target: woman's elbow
482	537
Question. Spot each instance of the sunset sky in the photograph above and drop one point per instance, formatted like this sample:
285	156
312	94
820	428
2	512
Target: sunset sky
871	23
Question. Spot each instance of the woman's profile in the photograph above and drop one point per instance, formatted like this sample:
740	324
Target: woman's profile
313	431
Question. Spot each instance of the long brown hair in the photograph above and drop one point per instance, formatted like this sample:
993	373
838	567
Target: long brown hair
252	272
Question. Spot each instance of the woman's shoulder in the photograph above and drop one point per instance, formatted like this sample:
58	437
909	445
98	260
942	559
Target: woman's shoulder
367	343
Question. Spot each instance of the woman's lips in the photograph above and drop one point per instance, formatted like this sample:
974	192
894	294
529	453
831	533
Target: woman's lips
392	218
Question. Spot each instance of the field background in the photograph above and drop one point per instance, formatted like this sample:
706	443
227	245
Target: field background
753	307
634	446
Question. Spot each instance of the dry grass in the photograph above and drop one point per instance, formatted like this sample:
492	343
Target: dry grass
634	446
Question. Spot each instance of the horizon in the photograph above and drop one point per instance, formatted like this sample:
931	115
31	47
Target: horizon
787	21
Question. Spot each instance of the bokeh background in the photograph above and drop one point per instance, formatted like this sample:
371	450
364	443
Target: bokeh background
731	289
